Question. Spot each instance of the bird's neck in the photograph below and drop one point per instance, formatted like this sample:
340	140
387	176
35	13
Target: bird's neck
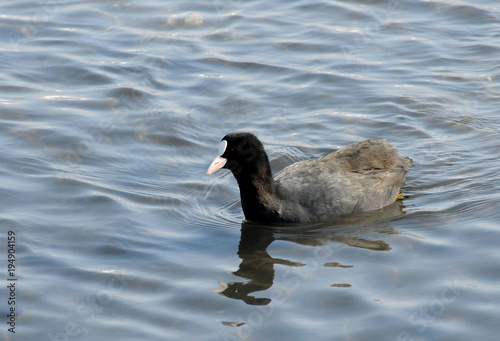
257	191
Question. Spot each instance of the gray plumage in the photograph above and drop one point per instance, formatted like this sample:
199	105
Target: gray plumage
363	176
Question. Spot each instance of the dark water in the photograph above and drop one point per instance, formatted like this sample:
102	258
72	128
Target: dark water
111	111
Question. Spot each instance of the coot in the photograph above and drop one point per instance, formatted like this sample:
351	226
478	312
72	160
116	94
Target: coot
363	176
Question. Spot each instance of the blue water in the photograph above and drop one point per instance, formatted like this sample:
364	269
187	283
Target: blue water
110	113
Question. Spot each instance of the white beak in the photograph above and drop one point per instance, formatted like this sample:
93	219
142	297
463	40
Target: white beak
216	164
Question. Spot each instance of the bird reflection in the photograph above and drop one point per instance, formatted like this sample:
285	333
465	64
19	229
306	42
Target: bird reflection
257	266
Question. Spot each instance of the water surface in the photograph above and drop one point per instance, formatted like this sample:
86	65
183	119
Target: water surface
110	113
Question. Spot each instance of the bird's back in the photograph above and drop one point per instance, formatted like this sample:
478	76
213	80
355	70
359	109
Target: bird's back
363	176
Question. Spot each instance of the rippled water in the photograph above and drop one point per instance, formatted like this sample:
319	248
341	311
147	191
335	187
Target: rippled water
110	113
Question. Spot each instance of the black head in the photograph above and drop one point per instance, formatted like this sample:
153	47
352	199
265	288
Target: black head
244	155
240	153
